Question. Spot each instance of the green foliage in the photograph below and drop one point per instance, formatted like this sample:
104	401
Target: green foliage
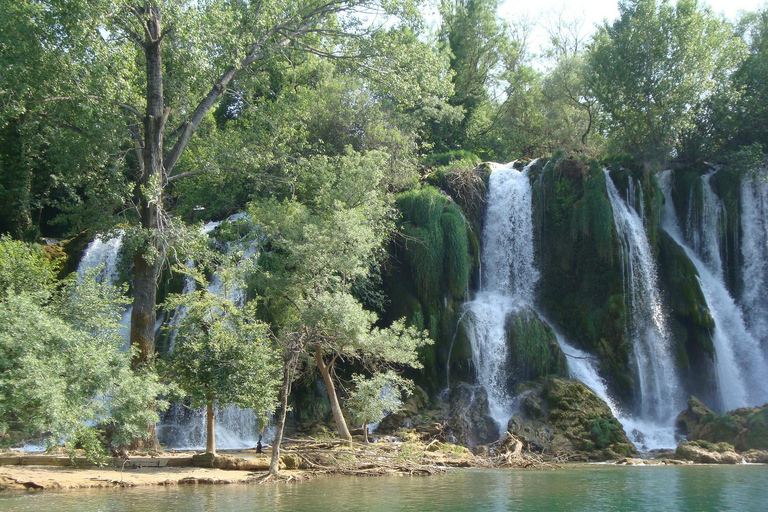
651	69
64	374
373	398
24	269
437	247
605	432
222	354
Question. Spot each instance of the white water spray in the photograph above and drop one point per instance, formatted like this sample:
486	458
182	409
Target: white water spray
507	283
661	393
754	251
740	366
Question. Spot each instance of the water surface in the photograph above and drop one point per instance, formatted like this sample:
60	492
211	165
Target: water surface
573	488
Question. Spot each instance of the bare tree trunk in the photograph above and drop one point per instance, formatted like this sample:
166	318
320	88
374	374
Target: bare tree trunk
338	417
143	316
285	391
365	431
210	437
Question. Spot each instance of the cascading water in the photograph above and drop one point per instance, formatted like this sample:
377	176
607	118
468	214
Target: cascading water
236	428
106	253
740	367
507	283
754	250
705	224
661	394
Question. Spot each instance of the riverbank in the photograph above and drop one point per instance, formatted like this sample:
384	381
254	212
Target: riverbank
301	459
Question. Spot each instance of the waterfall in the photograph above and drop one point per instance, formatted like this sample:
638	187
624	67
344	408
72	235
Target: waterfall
740	367
507	283
236	428
705	225
106	253
661	395
754	250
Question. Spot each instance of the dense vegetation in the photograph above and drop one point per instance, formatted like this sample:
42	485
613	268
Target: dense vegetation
349	133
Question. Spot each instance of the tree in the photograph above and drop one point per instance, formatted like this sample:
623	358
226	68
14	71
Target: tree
320	247
155	69
375	397
478	41
63	373
651	68
223	356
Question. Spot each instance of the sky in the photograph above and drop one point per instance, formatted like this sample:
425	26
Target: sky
594	11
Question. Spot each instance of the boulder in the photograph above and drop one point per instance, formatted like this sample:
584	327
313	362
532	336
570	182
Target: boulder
688	421
533	350
745	428
708	453
562	417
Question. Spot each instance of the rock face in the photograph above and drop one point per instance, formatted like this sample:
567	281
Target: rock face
533	351
562	417
462	418
744	429
708	453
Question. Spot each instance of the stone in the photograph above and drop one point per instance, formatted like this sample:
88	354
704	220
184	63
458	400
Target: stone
694	452
563	417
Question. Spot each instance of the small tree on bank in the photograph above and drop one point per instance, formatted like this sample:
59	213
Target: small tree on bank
374	398
222	356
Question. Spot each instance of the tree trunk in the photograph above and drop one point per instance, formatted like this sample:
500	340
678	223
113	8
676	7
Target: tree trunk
365	431
338	417
285	391
210	437
149	193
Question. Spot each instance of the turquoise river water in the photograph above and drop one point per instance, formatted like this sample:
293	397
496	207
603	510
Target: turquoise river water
572	488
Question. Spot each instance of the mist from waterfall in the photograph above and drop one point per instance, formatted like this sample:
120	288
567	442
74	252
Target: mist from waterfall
508	282
740	366
661	396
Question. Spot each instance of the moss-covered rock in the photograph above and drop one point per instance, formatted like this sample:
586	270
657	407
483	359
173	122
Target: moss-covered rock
532	348
745	428
581	286
428	277
563	417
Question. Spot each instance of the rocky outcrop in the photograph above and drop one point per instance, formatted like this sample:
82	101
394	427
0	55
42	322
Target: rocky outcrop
562	417
533	351
745	429
708	453
461	418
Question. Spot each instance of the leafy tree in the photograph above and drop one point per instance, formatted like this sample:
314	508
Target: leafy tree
373	398
151	72
63	373
320	247
478	41
652	67
222	355
750	108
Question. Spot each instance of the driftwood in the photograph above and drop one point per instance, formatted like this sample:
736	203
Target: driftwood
351	458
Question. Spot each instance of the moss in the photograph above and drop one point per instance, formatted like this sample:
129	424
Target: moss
605	431
429	273
756	437
690	321
533	348
457	262
581	288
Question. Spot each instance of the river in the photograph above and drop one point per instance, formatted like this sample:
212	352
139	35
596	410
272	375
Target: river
591	488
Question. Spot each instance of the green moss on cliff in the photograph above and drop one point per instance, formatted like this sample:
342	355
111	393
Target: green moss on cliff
429	273
533	348
581	288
